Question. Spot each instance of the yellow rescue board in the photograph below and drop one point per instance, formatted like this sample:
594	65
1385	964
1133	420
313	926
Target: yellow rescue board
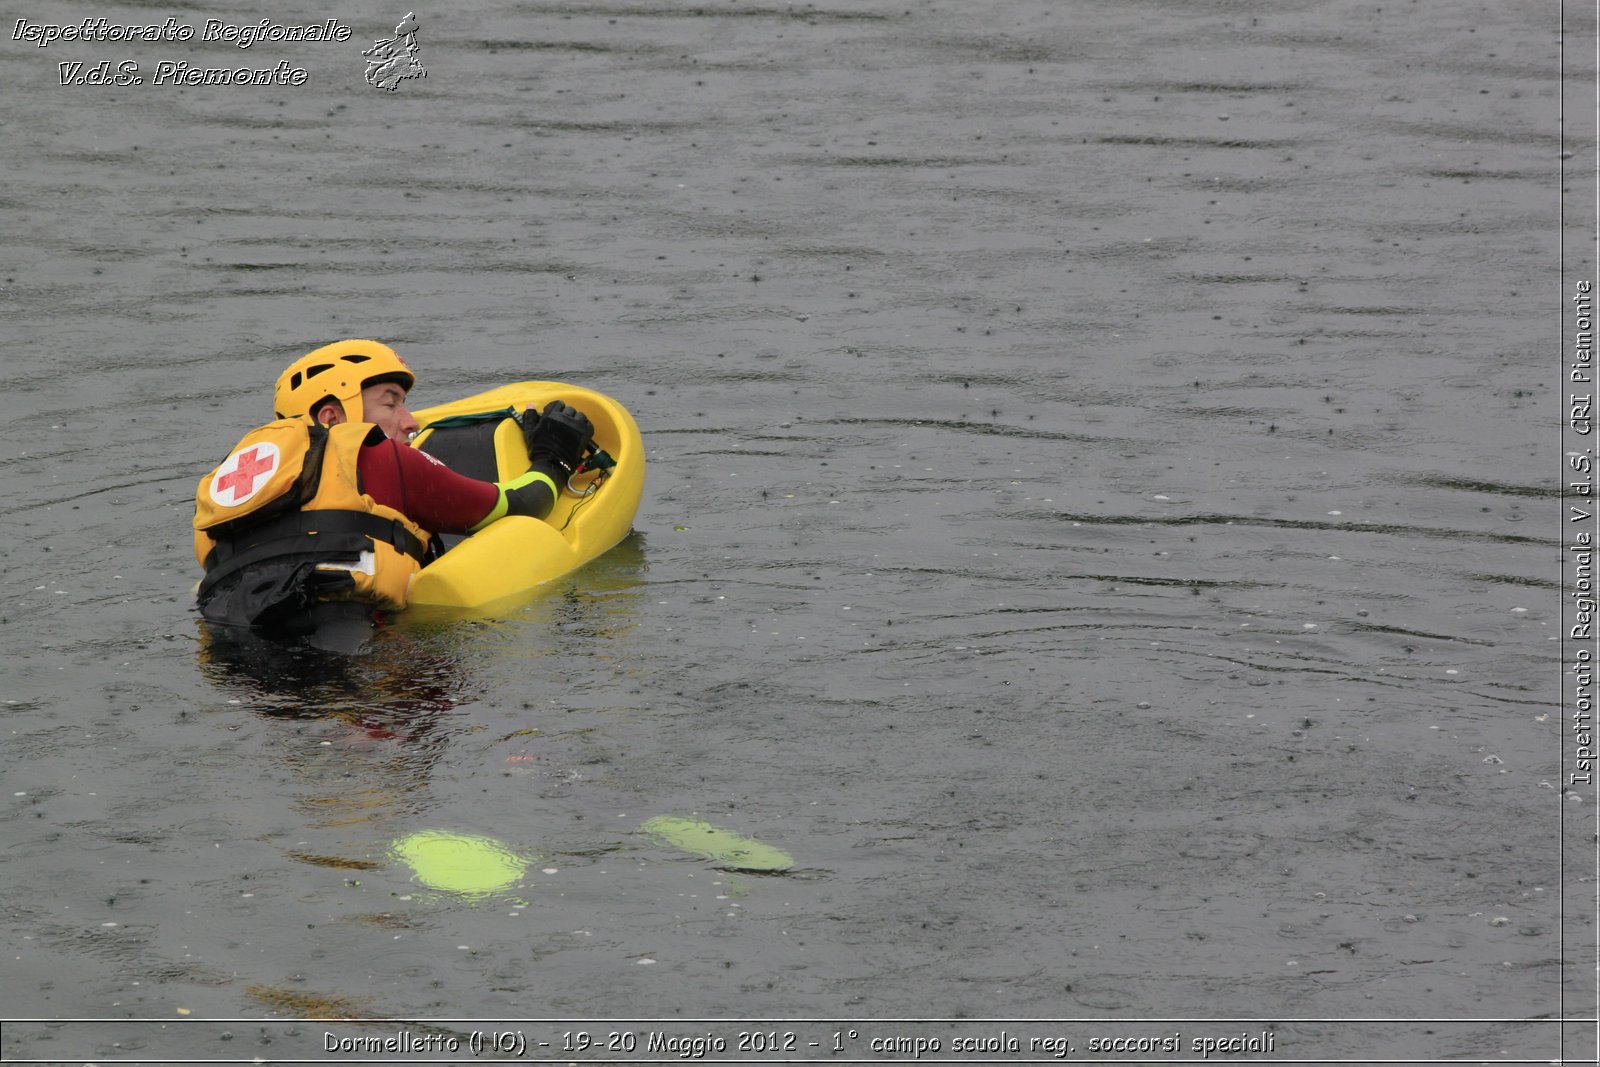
510	557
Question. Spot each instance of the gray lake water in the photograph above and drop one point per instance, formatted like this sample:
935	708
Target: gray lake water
1103	522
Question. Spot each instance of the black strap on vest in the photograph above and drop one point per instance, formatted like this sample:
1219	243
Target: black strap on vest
324	536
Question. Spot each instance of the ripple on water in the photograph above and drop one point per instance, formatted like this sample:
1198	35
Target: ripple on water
1138	497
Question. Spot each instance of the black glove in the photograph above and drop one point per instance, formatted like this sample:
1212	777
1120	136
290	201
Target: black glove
560	437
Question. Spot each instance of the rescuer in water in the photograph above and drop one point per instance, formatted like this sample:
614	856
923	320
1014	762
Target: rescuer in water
330	505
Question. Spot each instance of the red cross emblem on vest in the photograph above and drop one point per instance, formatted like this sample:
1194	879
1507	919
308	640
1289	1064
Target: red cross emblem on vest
244	473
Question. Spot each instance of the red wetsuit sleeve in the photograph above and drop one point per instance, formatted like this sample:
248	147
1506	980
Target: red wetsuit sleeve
421	488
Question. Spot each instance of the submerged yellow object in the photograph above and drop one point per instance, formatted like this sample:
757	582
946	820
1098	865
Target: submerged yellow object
514	555
728	850
464	864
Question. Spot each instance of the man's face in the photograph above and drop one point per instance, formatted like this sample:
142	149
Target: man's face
385	404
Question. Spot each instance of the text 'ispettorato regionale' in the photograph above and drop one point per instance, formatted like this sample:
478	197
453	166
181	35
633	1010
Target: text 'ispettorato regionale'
242	34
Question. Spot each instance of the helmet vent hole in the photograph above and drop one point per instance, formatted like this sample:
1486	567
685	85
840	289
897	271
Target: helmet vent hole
312	372
355	358
294	383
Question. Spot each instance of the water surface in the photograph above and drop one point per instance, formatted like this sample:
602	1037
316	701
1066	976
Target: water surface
1099	523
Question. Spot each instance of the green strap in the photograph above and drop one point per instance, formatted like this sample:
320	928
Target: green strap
470	419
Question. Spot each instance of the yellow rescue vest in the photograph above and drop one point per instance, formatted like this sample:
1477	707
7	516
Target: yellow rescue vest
289	492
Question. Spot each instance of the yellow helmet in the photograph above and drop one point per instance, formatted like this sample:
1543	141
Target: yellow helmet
338	371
